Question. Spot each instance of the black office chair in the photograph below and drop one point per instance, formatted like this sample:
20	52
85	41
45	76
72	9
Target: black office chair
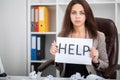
108	27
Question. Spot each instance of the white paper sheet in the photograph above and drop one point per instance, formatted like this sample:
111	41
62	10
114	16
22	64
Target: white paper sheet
73	50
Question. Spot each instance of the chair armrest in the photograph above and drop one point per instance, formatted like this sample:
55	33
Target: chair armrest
110	70
43	66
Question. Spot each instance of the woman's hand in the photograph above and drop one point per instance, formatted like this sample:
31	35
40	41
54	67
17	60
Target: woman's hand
53	49
94	55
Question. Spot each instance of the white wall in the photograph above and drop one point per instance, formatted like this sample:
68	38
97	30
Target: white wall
13	36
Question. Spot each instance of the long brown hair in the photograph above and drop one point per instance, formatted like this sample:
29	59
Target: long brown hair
90	23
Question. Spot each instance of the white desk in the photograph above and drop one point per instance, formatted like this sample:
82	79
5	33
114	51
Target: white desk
40	78
27	78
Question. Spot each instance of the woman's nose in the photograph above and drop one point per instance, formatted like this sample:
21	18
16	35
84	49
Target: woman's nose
77	15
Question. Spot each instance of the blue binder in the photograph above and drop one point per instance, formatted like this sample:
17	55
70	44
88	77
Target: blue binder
33	47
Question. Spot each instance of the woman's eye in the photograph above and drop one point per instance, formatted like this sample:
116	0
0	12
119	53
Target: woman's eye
82	12
73	12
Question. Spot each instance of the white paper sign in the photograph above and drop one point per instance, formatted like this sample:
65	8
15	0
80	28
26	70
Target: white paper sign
73	50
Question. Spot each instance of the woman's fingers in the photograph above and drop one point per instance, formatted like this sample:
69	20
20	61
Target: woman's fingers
94	54
53	49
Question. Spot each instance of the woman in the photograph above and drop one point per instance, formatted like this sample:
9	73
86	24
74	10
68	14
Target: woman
79	23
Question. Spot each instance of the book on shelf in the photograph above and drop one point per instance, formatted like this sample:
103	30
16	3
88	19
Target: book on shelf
40	47
36	15
40	19
32	19
33	47
37	47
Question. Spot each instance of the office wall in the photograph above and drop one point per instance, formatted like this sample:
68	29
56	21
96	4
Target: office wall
13	36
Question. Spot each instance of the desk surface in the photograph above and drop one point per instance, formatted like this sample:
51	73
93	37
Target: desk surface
27	78
40	78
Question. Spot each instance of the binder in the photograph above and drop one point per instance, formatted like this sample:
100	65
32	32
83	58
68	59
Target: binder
36	16
44	23
40	47
32	19
33	47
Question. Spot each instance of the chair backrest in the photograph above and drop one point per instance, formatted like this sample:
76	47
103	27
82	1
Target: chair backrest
107	26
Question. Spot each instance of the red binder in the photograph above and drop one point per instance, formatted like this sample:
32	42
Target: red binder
36	16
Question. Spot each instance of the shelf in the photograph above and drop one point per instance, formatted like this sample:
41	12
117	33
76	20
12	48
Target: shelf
104	10
65	2
118	1
101	1
101	8
38	61
43	33
47	2
118	17
61	12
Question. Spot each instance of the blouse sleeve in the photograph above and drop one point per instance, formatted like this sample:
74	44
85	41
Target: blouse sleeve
103	57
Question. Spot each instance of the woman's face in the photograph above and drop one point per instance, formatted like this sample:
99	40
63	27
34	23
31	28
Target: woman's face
77	15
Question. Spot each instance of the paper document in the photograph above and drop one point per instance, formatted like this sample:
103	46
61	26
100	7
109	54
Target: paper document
73	50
